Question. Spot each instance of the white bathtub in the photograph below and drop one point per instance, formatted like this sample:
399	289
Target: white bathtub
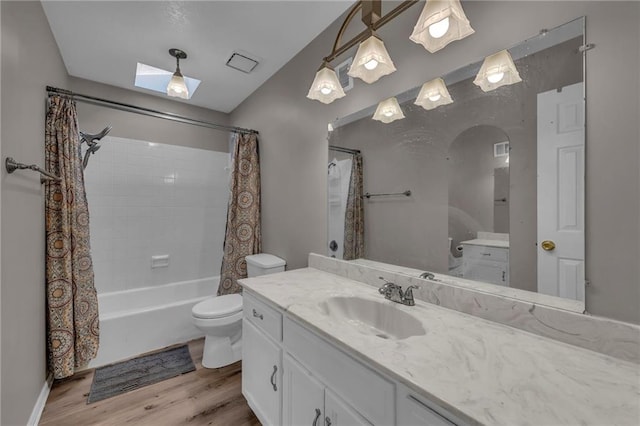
141	320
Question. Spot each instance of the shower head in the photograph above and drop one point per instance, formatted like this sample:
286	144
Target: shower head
92	139
92	142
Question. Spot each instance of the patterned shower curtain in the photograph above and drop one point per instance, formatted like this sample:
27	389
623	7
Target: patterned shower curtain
72	304
354	215
243	236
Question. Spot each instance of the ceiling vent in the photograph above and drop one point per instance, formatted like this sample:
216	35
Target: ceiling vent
242	62
346	81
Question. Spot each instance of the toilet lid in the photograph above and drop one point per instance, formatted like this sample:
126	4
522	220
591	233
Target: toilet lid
218	307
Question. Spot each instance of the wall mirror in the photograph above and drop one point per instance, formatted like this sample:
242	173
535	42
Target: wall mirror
489	188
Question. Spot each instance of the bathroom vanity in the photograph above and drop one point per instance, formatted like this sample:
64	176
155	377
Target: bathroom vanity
293	376
322	349
486	258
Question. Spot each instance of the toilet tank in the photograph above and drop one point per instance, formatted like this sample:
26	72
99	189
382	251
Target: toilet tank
263	264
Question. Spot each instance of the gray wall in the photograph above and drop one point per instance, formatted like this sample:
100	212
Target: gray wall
294	130
30	61
93	118
471	182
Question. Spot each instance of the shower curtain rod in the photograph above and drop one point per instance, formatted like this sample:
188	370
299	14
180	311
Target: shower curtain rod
146	111
346	150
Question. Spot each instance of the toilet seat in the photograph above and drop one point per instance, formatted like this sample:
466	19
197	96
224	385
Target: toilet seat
218	307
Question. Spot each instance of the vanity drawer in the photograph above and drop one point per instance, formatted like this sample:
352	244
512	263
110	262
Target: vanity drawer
360	387
263	316
414	410
497	254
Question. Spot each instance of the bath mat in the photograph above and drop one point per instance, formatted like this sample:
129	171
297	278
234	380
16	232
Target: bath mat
125	376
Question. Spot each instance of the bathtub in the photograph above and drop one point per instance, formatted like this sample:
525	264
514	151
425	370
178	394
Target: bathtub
142	320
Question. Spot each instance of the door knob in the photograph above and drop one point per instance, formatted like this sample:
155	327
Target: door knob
548	245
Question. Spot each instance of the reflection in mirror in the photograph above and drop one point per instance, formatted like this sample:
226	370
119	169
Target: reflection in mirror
495	178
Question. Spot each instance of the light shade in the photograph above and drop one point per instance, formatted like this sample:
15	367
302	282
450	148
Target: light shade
371	61
497	70
326	87
388	111
433	94
177	87
440	23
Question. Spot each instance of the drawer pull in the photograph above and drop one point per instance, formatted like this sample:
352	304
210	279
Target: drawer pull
273	378
315	421
486	254
327	421
503	275
257	315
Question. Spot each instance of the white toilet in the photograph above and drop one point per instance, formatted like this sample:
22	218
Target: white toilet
220	318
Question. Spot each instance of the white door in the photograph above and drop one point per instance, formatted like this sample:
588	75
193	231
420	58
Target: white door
561	192
303	396
261	372
337	413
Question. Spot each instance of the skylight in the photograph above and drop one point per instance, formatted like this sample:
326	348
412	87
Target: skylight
156	79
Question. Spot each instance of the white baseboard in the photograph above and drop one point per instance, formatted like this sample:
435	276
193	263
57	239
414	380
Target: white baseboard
38	408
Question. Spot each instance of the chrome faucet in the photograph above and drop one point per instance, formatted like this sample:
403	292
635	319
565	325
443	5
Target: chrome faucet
394	293
428	275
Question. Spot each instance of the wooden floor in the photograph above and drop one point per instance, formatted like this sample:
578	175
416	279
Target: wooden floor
202	397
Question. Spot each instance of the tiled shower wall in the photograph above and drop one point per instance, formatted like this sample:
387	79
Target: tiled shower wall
148	199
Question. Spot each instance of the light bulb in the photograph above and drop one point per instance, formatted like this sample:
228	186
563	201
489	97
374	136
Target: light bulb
495	77
371	65
507	160
440	28
388	113
435	97
325	90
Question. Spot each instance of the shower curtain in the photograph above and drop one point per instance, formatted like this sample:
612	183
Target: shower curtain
354	215
243	236
72	304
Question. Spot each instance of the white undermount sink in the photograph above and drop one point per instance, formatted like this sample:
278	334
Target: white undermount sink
372	317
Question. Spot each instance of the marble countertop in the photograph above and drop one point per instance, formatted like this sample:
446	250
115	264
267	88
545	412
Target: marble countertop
481	371
488	243
498	290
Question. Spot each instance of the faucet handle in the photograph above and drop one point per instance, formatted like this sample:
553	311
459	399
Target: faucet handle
386	288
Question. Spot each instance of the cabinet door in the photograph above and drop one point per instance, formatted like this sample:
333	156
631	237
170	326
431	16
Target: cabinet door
303	403
489	272
337	413
261	374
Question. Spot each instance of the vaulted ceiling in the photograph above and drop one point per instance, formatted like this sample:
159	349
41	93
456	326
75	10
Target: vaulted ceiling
104	40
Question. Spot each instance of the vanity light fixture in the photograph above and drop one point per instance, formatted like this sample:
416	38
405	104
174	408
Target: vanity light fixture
388	110
440	23
326	87
433	94
372	61
177	88
497	70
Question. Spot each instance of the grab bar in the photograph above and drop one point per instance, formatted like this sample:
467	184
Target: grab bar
406	193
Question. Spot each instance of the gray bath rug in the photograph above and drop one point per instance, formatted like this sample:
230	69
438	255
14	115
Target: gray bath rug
125	376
